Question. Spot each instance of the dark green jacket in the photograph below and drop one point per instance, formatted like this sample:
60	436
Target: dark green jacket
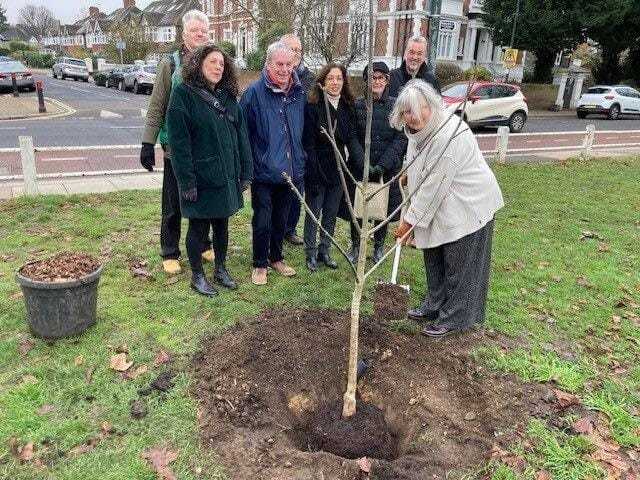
210	151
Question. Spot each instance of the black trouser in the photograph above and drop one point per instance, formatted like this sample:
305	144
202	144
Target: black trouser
270	203
197	240
323	200
294	210
458	279
171	217
378	236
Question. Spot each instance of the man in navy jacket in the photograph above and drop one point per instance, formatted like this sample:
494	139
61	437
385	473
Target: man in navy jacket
274	110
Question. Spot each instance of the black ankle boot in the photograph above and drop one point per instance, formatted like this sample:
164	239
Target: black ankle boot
327	260
312	263
222	277
353	254
201	285
378	252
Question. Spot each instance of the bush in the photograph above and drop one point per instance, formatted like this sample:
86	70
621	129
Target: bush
632	65
228	48
255	60
38	60
18	46
4	51
478	73
447	73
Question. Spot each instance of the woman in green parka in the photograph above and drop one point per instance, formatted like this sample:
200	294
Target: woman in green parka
211	157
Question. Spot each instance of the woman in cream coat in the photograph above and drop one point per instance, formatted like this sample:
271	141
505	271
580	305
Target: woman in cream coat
456	198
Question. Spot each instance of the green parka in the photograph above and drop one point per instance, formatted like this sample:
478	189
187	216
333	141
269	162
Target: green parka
210	151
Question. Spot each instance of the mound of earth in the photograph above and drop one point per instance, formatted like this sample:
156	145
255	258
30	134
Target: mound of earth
263	385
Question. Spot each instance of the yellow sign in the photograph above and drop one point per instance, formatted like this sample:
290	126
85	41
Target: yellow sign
510	57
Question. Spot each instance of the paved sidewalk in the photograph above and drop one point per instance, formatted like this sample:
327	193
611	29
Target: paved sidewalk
26	106
88	184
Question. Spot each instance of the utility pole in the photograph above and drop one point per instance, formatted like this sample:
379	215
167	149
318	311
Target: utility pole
434	33
513	32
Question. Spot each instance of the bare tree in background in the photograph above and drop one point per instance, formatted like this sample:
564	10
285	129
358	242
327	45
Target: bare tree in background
337	30
37	21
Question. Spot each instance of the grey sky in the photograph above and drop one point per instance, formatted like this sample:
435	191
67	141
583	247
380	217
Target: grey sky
67	11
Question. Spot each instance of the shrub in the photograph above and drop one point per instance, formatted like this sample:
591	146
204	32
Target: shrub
447	73
18	46
228	48
4	51
255	60
478	73
38	60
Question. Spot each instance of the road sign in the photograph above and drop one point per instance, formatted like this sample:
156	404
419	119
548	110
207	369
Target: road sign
120	45
510	57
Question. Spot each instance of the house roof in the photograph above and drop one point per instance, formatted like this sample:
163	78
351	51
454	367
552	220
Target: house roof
169	12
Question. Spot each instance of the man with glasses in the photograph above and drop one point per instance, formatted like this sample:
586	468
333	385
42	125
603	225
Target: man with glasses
307	79
413	66
195	25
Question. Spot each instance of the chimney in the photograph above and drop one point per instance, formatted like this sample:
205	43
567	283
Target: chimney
93	11
128	3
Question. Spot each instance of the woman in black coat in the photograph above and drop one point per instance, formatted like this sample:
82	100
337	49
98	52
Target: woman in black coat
323	188
388	147
212	158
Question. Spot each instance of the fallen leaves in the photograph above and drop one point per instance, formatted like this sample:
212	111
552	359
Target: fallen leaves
120	363
134	373
79	360
603	247
516	462
159	459
16	295
583	425
564	399
587	234
26	452
25	346
161	358
139	270
45	409
364	464
582	281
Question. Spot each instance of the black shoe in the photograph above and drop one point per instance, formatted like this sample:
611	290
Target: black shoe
353	254
327	260
437	332
222	277
378	252
294	239
201	285
421	314
312	263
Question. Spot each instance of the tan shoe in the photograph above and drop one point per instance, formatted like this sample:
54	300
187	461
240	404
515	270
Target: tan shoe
171	267
259	276
208	255
283	269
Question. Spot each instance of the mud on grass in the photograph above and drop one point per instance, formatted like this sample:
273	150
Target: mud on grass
259	384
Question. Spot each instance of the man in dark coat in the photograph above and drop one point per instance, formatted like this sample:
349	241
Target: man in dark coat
388	147
307	79
413	66
274	110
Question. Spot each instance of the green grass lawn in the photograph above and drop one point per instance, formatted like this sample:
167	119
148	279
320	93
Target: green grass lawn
570	305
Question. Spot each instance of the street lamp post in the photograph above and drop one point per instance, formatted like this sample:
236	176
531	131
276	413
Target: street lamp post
434	33
513	33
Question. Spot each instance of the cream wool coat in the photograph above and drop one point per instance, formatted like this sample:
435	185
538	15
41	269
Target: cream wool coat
460	194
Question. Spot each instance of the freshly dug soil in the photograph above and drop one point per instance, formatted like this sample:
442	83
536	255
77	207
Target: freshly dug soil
390	302
62	267
364	434
261	384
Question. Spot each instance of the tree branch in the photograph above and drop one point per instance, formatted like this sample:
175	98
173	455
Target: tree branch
316	221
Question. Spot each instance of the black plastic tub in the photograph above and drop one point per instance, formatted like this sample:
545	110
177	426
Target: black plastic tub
60	309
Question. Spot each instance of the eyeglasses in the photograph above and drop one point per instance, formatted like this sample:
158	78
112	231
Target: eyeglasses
379	78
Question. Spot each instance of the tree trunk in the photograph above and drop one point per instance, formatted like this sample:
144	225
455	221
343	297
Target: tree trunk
609	72
545	59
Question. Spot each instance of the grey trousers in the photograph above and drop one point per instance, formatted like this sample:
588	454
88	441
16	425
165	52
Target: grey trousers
323	200
458	280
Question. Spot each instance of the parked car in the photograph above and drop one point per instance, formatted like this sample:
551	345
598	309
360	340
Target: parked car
140	78
5	59
24	78
489	104
66	67
116	78
100	78
611	101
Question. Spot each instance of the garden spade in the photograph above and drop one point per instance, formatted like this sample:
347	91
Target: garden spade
396	255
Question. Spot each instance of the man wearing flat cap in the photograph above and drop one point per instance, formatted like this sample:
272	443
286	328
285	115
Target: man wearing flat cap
388	147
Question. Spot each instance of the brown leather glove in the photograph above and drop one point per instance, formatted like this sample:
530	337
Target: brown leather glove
403	180
402	229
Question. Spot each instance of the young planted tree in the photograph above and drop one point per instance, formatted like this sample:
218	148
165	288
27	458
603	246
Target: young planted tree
361	274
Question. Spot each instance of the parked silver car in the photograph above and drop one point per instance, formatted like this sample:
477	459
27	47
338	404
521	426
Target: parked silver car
140	78
24	78
66	67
